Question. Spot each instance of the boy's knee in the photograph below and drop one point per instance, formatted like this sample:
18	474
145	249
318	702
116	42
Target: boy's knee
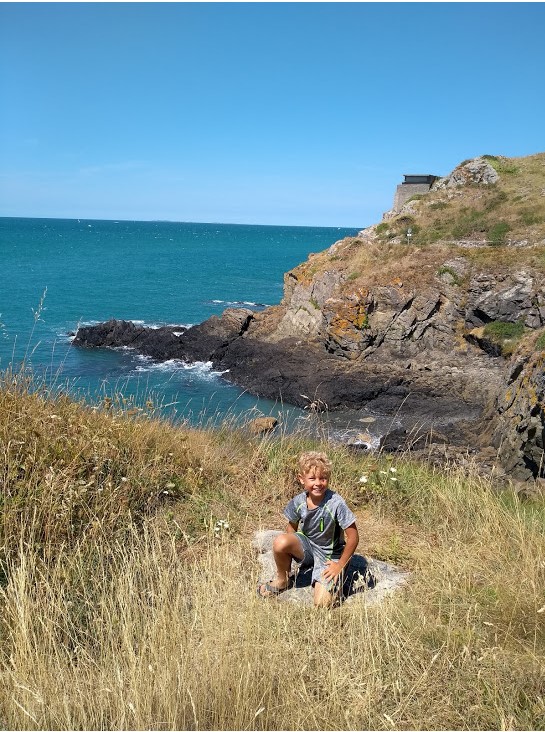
322	598
282	543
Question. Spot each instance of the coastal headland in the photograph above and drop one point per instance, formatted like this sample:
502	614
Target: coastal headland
435	315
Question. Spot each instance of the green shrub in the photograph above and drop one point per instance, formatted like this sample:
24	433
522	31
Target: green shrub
497	233
540	343
496	200
504	334
471	221
451	272
382	228
502	330
405	220
501	166
530	217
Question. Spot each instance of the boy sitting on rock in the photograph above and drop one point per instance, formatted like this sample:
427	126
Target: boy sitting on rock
318	521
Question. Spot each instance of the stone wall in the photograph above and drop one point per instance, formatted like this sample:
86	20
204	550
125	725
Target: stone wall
404	191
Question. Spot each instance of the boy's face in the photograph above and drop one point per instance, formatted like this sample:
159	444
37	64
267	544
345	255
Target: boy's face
315	483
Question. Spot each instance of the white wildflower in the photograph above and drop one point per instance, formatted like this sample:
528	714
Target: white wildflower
364	479
393	470
220	526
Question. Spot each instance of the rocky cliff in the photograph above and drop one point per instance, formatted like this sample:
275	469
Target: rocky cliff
436	315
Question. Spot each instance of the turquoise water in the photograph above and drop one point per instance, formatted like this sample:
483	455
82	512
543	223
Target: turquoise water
152	272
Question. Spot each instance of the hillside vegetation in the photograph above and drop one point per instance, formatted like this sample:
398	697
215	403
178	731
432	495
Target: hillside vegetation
128	584
499	225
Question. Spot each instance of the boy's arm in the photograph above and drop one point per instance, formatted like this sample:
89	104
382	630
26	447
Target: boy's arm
333	569
292	527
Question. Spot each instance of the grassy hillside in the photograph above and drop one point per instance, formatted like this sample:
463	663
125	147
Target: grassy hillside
510	210
126	606
507	218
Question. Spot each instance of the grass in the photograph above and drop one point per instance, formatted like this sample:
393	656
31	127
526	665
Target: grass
123	609
449	271
504	334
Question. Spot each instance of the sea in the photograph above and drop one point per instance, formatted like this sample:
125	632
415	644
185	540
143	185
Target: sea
58	274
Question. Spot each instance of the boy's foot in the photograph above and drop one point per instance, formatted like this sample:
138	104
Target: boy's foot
271	589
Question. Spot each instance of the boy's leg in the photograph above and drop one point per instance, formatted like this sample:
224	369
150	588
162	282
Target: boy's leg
285	547
323	597
325	592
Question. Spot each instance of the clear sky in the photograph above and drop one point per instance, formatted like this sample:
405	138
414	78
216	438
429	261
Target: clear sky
268	113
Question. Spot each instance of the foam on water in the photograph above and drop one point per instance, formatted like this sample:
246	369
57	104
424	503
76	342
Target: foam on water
202	369
240	303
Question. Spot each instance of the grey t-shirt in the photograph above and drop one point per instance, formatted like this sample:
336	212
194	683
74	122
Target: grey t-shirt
323	526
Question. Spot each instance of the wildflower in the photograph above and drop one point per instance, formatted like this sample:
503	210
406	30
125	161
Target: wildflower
384	472
393	470
364	479
221	525
393	479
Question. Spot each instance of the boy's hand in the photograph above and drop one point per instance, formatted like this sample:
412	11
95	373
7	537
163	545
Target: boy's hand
332	570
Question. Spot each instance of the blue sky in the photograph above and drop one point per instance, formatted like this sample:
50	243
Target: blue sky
270	113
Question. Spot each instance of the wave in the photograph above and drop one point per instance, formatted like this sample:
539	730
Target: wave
155	326
239	303
202	369
145	324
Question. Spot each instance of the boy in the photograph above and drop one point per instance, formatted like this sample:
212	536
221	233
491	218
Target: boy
314	537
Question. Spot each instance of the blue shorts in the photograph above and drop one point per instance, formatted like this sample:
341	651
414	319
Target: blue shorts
316	557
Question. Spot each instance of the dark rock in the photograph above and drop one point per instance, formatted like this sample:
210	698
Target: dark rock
518	419
393	440
159	343
199	343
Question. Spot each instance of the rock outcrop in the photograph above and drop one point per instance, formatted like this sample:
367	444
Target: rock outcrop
366	580
402	331
518	417
477	171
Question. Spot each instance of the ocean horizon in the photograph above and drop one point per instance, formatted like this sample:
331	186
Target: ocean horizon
58	274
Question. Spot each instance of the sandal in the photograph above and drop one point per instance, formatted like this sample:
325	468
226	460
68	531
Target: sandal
271	590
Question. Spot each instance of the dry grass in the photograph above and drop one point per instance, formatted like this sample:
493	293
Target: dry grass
153	622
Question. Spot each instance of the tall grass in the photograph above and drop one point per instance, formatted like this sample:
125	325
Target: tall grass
150	621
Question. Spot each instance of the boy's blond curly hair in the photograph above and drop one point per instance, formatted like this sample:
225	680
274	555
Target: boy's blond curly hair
317	460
